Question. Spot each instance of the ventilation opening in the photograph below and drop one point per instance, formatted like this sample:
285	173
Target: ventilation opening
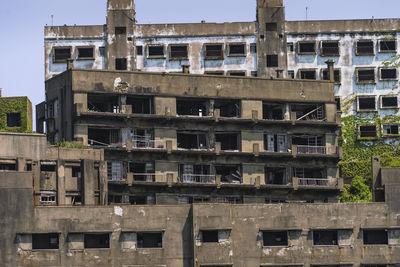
306	48
192	140
375	237
389	102
272	111
149	240
156	51
365	48
275	176
388	74
45	241
214	73
366	103
237	49
275	238
210	236
191	108
140	105
121	64
272	61
230	174
178	52
271	27
229	141
330	48
387	46
308	74
368	131
97	240
325	238
13	119
85	52
214	51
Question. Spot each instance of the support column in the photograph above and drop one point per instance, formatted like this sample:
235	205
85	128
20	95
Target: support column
60	182
88	182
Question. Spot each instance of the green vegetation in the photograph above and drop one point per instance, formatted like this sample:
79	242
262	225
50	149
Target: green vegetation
20	105
358	191
66	144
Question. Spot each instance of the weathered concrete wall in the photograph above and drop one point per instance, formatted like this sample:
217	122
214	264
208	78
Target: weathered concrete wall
30	146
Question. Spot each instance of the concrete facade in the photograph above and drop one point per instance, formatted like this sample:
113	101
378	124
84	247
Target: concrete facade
15	114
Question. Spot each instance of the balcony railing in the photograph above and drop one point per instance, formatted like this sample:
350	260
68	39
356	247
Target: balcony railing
149	177
313	181
197	178
140	143
311	149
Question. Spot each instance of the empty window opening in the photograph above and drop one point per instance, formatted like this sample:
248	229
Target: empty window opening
336	75
306	48
275	143
121	64
273	111
375	237
229	141
237	73
275	238
308	140
254	74
138	200
120	30
115	171
61	54
104	137
230	174
308	111
97	240
13	119
290	47
368	131
85	52
276	176
330	48
378	265
209	236
142	171
115	199
102	51
156	51
191	107
47	198
365	48
308	74
103	103
253	48
214	72
149	240
387	46
389	101
178	51
388	74
310	173
338	104
47	167
272	61
192	140
140	105
237	49
8	167
214	51
228	108
325	237
291	74
271	27
189	173
390	129
366	103
73	198
139	50
45	241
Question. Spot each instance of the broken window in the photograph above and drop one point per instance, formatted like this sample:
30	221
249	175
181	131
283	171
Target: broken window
307	74
330	48
192	140
73	198
120	30
139	50
272	61
388	74
273	111
104	137
275	176
155	51
189	173
387	46
308	111
47	197
149	240
325	237
275	143
121	64
209	236
306	48
178	52
338	104
290	47
213	51
237	73
85	52
45	241
230	174
115	171
229	141
390	129
13	119
188	107
101	240
253	48
365	48
336	75
140	105
367	131
61	54
275	238
271	27
389	102
214	72
103	103
228	108
237	50
375	237
366	103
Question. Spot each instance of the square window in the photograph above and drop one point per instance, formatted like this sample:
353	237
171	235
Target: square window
214	51
139	50
375	237
329	48
13	119
366	103
271	27
45	241
275	238
85	52
367	131
149	240
325	238
120	30
306	48
390	129
389	102
365	75
388	74
121	64
178	52
365	48
272	61
235	50
97	240
61	54
387	46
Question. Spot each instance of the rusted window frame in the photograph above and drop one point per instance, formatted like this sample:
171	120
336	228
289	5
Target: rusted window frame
306	53
387	51
221	57
178	58
329	54
365	82
335	69
61	47
388	79
155	45
85	47
365	54
236	55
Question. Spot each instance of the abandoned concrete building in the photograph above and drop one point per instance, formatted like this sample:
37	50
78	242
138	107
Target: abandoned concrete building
15	114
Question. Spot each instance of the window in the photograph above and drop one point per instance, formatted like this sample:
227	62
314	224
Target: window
306	48
273	111
367	131
388	74
209	236
214	73
389	102
365	75
45	241
272	61
177	52
387	46
115	171
139	50
102	51
325	237
120	30
338	105
229	141
188	107
290	74
237	50
237	73
336	75
121	64
275	143
192	140
227	108
230	174
97	240
366	103
47	197
390	129
375	237
329	48
213	51
85	53
365	48
61	54
140	105
307	74
308	111
149	240
253	48
10	166
275	176
254	74
275	238
13	119
271	27
155	51
290	47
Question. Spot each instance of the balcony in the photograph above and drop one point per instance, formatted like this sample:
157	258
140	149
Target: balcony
313	181
148	144
302	149
197	178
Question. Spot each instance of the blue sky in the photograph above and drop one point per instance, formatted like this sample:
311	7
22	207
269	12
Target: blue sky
22	22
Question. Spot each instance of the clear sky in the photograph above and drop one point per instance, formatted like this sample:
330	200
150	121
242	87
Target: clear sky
22	22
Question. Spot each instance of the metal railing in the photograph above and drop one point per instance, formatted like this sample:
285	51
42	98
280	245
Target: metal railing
197	178
301	149
149	177
313	181
141	143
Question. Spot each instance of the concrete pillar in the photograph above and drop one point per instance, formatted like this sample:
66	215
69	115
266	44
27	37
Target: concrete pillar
88	182
103	183
331	72
60	182
70	64
36	182
21	164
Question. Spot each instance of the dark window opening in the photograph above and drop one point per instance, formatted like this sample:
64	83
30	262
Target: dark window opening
149	240
325	238
76	171
338	104
308	111
114	199
237	73
47	168
13	119
214	51
309	173
103	103
178	51
272	111
138	200
103	137
272	61
271	27
140	105
45	241
366	75
291	74
102	51
156	51
139	50
366	103
275	176
290	47
368	131
389	102
390	129
85	52
121	64
141	171
253	48
29	167
275	143
365	48
389	74
229	141
191	107
230	174
308	74
228	108
336	75
210	236
330	49
377	265
97	240
254	74
375	237
387	46
307	48
62	54
120	30
192	140
237	49
130	39
275	238
8	167
214	72
189	173
308	140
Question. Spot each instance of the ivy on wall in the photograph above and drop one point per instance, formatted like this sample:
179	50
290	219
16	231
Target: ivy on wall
16	105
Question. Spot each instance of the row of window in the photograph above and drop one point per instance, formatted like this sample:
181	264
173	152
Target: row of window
61	54
371	131
369	103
